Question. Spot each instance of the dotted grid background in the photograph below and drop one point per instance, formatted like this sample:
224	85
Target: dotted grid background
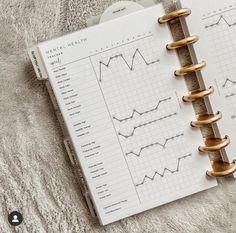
121	87
221	30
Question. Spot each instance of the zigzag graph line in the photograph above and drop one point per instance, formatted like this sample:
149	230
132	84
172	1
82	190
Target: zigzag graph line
146	124
142	113
228	81
222	18
162	174
129	66
163	145
230	95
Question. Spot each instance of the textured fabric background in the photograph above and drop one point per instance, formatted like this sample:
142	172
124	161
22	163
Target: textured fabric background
35	173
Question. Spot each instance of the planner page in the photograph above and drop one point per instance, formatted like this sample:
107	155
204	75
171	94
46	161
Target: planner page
115	86
215	23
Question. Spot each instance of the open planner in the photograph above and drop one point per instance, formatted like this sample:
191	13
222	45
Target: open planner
119	91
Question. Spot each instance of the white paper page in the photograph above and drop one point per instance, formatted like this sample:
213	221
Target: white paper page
215	23
122	105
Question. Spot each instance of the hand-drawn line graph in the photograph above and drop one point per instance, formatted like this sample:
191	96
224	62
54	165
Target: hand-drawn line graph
163	145
145	124
129	66
221	27
162	174
221	19
228	81
142	113
230	95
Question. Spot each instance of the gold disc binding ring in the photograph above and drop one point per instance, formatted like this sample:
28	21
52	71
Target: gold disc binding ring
190	69
180	43
174	15
222	169
206	119
214	144
198	94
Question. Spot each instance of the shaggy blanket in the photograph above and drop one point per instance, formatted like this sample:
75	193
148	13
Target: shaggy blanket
36	178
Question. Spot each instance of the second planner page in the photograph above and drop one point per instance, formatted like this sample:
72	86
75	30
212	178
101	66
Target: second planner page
123	107
215	23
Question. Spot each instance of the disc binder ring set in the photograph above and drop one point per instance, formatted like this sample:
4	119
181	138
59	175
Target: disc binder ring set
212	144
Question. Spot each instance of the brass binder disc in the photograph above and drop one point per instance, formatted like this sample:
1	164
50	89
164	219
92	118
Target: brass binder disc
214	144
206	119
190	69
222	169
198	94
174	15
183	42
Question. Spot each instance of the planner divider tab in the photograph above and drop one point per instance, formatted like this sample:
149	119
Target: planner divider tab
37	63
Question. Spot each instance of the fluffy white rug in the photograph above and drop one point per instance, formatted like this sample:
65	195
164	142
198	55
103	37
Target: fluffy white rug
35	174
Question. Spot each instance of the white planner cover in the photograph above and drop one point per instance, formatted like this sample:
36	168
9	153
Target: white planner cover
123	108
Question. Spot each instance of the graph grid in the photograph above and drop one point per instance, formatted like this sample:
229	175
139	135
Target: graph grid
220	27
145	113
